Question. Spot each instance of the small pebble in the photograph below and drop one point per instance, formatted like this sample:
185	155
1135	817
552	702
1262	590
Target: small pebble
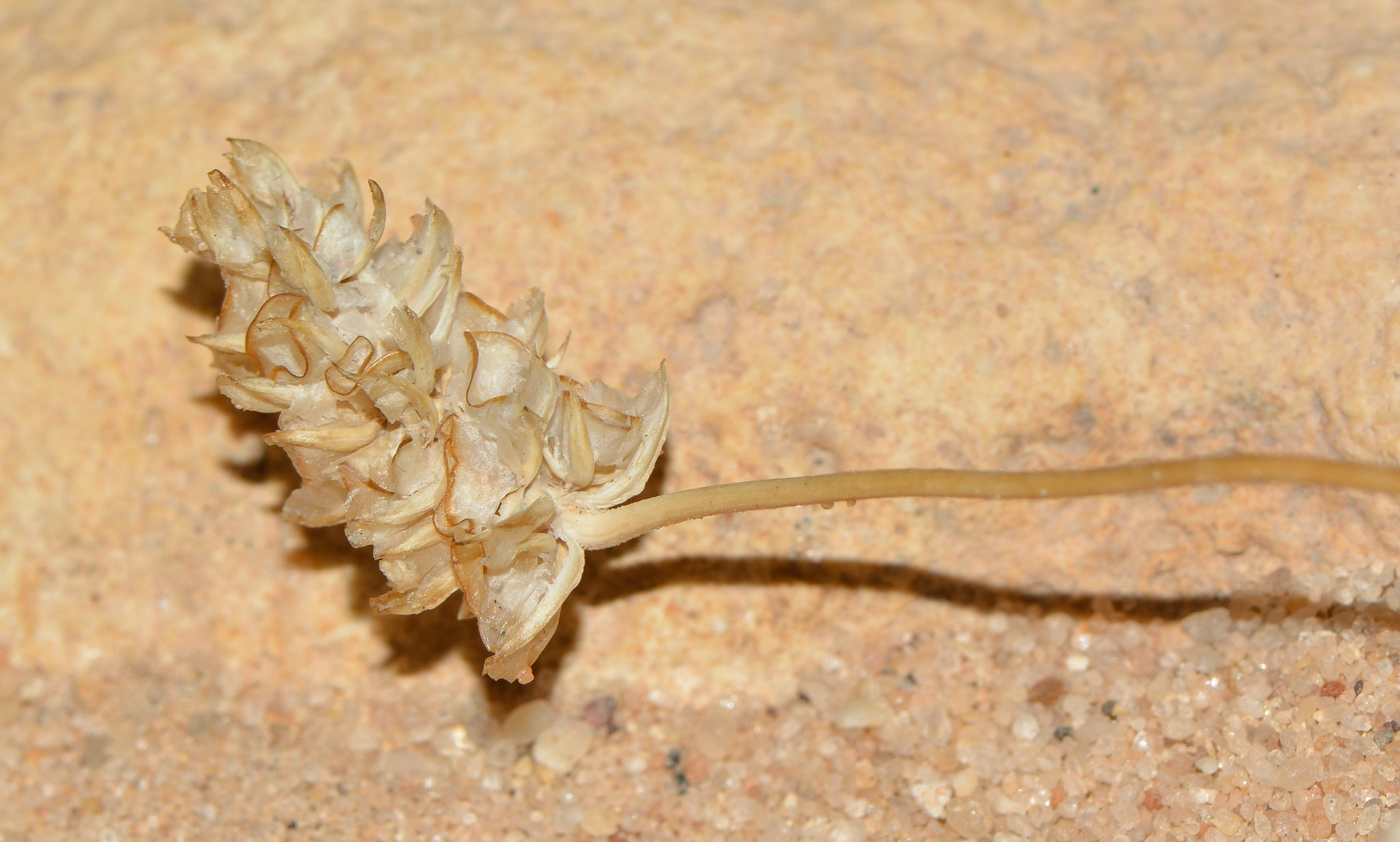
866	709
1152	799
527	722
1207	626
1025	726
1299	773
599	712
453	742
933	797
1047	691
563	744
965	783
969	817
1203	659
1179	728
1369	818
1269	637
598	822
501	754
1055	629
1228	822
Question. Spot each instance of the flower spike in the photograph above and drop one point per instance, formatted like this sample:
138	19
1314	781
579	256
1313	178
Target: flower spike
430	424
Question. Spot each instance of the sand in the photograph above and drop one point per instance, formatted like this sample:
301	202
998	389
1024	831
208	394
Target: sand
861	235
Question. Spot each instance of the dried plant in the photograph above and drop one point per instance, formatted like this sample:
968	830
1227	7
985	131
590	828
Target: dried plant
434	426
440	432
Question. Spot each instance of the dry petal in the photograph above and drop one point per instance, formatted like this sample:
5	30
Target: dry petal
431	424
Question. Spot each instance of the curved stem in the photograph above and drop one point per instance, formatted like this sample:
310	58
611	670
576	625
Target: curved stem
610	527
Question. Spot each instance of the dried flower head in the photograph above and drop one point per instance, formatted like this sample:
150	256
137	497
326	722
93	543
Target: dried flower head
438	431
434	426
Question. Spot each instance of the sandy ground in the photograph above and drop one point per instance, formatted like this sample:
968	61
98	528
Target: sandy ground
1007	235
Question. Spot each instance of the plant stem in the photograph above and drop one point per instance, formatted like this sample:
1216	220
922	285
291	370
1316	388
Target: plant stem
610	527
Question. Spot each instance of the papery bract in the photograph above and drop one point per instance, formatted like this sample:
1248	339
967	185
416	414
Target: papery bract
434	426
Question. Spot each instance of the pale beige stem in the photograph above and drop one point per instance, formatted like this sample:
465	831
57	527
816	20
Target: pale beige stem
607	528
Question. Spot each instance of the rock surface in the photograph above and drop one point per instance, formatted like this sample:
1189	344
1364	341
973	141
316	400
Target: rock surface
861	235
